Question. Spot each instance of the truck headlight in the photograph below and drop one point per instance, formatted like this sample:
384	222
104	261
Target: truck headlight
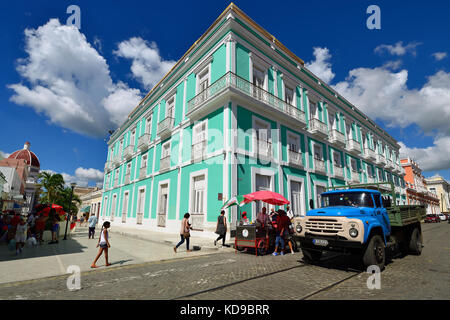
353	232
298	228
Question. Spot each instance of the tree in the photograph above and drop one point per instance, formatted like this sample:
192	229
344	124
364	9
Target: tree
63	200
52	184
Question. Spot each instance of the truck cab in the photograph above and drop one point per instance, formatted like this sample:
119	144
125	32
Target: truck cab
352	221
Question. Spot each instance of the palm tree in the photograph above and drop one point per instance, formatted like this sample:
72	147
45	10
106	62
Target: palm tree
63	200
53	184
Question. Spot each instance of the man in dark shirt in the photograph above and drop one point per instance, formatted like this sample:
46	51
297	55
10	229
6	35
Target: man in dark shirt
282	225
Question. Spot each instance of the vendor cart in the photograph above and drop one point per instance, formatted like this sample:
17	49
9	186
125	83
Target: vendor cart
252	236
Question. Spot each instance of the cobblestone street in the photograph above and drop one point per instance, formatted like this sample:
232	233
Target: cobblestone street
229	276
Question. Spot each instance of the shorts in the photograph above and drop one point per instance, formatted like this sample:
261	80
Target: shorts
103	245
20	238
55	228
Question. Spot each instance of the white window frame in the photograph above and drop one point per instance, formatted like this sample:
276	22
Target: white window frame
163	148
255	121
264	172
192	176
258	62
318	183
170	103
302	191
333	152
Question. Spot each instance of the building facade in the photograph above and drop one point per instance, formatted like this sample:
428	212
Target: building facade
416	187
90	203
441	187
238	113
27	165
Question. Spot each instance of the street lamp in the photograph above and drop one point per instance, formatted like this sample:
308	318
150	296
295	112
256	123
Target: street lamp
72	186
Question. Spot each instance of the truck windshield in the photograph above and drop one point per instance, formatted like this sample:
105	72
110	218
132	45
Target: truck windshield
347	199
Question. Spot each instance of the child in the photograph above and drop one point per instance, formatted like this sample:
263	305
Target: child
103	242
21	235
55	229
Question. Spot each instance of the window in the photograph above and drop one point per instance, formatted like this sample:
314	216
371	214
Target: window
318	153
293	143
296	198
313	110
198	195
348	199
148	125
199	133
289	95
354	165
258	78
144	161
165	150
128	169
262	183
133	135
377	200
337	159
319	191
203	80
170	108
121	147
369	171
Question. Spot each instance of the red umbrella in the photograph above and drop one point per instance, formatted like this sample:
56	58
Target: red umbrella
57	208
269	197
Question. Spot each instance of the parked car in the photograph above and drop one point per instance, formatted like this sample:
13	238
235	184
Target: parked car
442	216
432	218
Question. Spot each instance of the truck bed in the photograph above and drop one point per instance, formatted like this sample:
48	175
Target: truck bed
400	216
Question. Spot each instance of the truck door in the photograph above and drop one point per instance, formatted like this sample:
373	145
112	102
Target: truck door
381	214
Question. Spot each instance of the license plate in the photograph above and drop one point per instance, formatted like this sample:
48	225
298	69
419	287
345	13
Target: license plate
320	242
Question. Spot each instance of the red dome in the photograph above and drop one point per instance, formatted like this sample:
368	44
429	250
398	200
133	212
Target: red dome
26	155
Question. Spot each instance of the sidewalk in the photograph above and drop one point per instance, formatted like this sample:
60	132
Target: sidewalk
197	240
128	246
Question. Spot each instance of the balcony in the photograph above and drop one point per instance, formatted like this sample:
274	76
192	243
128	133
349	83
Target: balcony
337	138
381	160
338	172
295	158
115	160
353	146
318	128
127	178
199	151
370	154
264	148
319	166
142	172
370	179
143	142
108	166
165	127
164	164
128	152
236	84
389	164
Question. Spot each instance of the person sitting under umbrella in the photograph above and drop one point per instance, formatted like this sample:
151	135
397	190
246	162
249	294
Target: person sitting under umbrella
244	219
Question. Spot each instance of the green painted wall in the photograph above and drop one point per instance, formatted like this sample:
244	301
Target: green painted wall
242	62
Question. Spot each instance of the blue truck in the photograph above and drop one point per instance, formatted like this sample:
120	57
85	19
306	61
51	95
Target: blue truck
363	220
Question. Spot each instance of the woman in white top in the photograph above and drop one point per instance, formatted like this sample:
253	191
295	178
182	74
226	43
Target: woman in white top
21	235
103	243
184	233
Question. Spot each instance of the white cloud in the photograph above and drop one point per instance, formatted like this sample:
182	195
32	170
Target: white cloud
439	55
70	82
393	65
4	154
148	67
82	177
398	49
321	66
432	158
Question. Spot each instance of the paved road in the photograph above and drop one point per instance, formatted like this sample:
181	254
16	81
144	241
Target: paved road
242	276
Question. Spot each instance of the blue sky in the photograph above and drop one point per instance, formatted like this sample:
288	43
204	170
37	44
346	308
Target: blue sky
407	62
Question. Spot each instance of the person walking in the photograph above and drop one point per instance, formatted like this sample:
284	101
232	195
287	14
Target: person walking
40	227
103	243
221	228
92	223
282	225
21	235
55	226
184	233
289	213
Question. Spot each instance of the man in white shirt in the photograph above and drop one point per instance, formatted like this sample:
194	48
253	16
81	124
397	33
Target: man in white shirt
289	213
92	223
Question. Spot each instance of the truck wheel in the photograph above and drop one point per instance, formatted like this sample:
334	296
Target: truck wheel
375	253
415	243
311	256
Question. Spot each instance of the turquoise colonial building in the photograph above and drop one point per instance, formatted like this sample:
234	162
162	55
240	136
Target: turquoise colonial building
238	113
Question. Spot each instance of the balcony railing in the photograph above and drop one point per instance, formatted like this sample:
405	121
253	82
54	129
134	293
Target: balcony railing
338	171
165	127
232	81
164	164
264	148
369	154
354	146
355	176
127	178
143	142
318	128
370	179
199	151
115	159
128	152
381	159
389	164
337	138
319	165
295	158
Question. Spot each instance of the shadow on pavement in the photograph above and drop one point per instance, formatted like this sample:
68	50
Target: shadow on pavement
68	246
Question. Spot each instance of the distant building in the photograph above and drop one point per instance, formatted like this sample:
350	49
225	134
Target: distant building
441	187
90	203
14	190
416	187
27	165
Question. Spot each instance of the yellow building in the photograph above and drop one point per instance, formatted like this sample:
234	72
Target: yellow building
90	203
441	187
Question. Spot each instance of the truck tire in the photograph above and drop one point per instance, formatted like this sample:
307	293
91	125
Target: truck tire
375	253
415	242
311	256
